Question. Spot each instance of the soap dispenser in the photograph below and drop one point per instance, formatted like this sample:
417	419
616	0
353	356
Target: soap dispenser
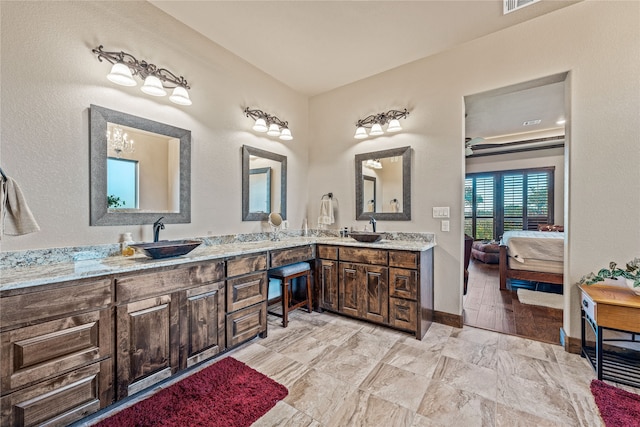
126	241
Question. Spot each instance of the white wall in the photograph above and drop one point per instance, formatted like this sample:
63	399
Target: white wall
553	157
50	77
597	42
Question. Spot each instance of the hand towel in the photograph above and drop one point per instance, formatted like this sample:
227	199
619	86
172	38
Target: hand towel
15	216
326	212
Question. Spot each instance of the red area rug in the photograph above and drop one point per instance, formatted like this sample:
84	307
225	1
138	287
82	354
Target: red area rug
227	393
617	407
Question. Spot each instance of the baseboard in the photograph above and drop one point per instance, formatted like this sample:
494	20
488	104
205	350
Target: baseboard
448	319
570	344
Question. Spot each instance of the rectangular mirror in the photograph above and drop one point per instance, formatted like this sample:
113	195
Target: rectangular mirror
383	185
140	169
264	184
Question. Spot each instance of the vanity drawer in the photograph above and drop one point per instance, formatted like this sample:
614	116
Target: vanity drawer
34	353
589	307
403	314
403	283
246	290
327	252
29	307
404	259
282	257
364	256
246	264
246	323
139	286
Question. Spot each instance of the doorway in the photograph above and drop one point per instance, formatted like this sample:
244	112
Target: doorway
514	136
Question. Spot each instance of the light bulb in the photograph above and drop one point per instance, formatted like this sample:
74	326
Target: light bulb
394	126
376	130
260	126
361	133
153	86
180	96
274	130
285	134
121	74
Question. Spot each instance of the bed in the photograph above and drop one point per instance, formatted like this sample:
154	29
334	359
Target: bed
535	256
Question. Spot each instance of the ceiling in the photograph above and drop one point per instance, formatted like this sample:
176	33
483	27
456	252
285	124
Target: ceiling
317	46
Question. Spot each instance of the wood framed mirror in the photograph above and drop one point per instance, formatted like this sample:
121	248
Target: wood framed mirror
383	185
130	188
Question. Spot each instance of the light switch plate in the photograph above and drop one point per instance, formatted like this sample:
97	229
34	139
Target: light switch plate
444	225
441	212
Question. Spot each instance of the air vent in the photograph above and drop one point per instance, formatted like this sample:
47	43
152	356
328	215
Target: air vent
511	5
531	122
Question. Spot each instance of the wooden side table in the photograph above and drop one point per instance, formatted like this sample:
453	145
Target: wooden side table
606	307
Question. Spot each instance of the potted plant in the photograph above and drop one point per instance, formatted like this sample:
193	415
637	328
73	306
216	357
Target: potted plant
631	274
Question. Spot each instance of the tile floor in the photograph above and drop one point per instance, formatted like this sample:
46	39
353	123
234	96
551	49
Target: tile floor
343	372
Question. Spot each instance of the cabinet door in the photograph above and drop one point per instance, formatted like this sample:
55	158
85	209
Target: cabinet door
348	289
374	293
205	320
403	314
328	284
148	342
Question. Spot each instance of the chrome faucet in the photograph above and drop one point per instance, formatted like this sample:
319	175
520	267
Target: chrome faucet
157	226
373	221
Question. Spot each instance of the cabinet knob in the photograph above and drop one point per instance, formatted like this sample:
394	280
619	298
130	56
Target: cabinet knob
585	303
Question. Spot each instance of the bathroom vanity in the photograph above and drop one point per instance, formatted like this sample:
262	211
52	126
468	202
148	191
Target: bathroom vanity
77	338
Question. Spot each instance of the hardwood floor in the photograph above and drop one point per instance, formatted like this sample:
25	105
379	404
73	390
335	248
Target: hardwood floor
486	307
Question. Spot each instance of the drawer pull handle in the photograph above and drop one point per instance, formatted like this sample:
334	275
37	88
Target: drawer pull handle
585	303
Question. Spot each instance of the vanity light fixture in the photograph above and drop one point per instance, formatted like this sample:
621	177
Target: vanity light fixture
156	80
272	125
376	121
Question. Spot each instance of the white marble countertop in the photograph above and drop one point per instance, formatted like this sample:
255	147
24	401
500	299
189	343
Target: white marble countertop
36	275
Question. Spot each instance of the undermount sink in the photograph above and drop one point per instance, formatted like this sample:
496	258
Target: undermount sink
366	236
166	248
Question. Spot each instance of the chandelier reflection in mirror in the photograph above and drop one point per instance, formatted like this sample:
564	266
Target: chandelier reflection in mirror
272	125
118	140
156	80
375	122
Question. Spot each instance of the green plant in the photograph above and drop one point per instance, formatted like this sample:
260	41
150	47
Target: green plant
631	272
114	201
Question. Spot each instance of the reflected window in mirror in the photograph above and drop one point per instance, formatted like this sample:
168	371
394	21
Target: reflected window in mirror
383	185
139	169
260	190
122	183
264	184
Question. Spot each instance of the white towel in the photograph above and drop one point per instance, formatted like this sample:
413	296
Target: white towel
326	212
15	216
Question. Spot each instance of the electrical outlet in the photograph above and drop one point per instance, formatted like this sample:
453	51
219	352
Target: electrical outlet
444	225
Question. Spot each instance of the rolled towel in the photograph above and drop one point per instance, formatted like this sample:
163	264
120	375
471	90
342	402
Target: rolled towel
15	215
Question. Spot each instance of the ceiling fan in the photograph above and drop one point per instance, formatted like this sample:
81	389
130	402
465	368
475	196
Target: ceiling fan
469	143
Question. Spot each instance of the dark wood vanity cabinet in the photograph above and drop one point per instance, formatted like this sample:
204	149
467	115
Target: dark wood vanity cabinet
389	287
167	320
56	352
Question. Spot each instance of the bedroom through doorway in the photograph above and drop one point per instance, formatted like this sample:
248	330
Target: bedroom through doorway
514	194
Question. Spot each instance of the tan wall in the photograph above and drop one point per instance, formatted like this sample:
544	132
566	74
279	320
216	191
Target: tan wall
50	77
597	42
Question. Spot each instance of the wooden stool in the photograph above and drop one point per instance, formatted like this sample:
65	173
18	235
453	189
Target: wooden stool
285	275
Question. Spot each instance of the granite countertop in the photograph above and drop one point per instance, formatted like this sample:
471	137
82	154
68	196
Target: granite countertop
35	275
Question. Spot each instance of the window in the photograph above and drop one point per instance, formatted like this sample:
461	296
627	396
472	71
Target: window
495	202
122	183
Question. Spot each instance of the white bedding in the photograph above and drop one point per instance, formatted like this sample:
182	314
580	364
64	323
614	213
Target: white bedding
524	246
